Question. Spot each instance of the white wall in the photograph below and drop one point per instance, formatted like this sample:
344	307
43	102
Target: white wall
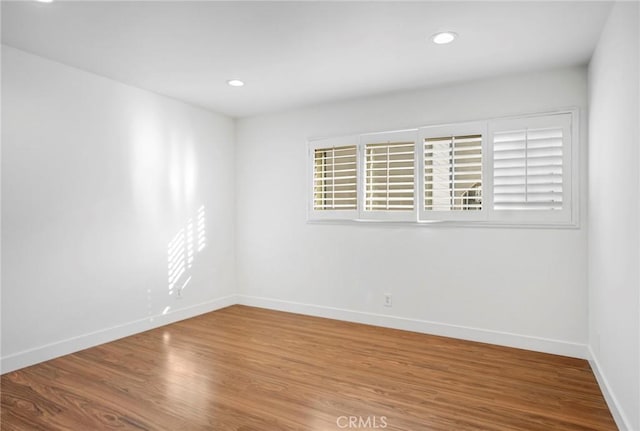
97	178
523	287
614	219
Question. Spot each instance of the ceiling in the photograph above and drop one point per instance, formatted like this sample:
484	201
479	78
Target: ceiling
292	54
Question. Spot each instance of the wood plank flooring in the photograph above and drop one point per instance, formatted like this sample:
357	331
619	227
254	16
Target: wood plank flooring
250	369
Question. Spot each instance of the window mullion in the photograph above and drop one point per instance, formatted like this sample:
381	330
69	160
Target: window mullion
453	172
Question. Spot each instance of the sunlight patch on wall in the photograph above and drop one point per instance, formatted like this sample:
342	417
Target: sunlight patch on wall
182	251
182	170
190	243
190	172
202	237
148	168
175	181
177	262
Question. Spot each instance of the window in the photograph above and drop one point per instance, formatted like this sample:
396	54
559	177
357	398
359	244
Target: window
531	168
389	192
513	170
335	178
452	166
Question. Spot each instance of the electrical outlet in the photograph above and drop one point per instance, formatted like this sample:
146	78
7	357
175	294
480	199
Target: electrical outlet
388	300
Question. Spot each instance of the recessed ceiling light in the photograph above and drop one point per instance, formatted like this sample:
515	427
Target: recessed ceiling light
444	37
235	83
45	1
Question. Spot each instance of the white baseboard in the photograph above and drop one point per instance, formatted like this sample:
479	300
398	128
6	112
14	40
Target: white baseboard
538	344
621	419
75	344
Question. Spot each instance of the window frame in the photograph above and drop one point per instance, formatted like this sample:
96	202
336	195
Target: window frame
408	135
327	143
568	217
459	129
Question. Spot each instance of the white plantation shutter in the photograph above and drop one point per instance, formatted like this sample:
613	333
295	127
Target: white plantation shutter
335	178
390	178
389	175
527	170
531	167
452	166
453	173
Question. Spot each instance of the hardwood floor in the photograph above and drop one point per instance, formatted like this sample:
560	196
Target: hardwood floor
249	369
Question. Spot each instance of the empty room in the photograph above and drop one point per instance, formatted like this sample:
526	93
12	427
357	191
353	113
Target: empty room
320	215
